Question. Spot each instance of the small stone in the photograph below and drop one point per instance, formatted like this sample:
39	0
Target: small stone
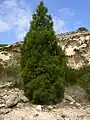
5	96
78	105
67	119
2	105
16	90
39	108
5	91
24	99
54	110
63	115
69	98
71	103
88	112
19	105
2	101
36	114
50	107
21	92
64	101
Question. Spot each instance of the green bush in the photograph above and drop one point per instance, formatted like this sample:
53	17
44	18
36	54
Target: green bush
42	91
84	79
11	72
71	76
81	29
3	45
42	61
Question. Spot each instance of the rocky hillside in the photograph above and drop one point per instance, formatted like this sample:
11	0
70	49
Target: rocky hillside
75	44
9	52
77	47
75	106
15	106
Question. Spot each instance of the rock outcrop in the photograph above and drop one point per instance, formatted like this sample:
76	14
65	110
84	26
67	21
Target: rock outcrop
77	48
75	44
10	97
10	52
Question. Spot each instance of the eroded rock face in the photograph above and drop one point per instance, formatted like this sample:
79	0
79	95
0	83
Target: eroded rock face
77	48
4	57
75	44
7	53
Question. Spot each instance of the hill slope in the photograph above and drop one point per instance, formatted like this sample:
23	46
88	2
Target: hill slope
75	44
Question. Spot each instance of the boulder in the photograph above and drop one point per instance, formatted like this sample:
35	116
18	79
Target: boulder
12	100
22	97
69	98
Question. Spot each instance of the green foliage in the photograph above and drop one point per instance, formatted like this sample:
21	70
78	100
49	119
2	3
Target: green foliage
79	77
11	72
81	29
84	79
71	76
3	45
41	91
42	60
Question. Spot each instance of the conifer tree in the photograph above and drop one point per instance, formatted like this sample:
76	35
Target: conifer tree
42	60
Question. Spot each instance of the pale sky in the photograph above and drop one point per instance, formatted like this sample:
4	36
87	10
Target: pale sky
15	16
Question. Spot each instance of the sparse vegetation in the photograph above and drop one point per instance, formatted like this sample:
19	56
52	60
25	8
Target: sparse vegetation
3	45
80	77
11	72
71	76
84	79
